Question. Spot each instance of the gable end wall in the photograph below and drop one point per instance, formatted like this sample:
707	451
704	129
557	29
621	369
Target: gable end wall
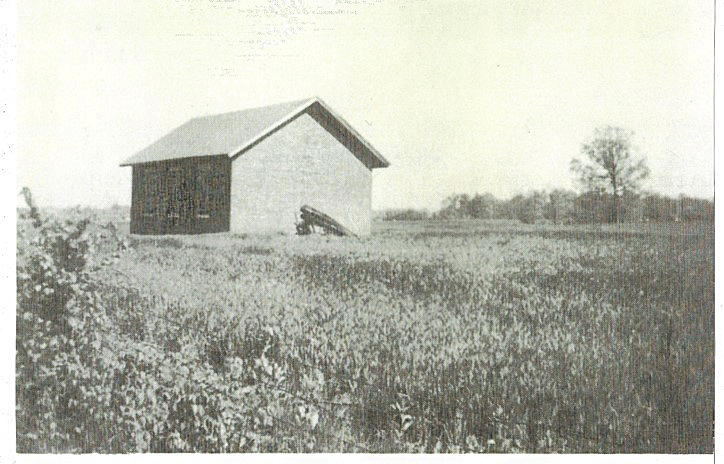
300	164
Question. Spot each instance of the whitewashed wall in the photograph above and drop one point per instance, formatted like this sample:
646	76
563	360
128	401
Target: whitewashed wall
299	164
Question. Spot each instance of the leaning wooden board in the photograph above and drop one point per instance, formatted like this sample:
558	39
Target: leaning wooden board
316	218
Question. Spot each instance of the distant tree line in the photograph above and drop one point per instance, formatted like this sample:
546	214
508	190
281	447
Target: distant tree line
407	214
610	173
567	207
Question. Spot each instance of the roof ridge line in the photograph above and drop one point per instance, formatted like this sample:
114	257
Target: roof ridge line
211	115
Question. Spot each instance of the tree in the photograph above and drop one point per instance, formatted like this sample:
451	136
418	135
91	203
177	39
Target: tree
610	165
560	206
594	206
483	206
455	206
530	208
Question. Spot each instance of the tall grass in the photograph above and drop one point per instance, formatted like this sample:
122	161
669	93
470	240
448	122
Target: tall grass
493	341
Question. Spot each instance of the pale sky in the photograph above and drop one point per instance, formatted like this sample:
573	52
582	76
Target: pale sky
461	97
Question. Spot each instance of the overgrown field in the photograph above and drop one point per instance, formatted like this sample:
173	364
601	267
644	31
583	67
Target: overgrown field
425	337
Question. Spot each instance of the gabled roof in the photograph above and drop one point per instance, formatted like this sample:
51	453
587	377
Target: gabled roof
233	133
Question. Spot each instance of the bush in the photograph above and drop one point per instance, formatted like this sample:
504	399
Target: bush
91	375
61	335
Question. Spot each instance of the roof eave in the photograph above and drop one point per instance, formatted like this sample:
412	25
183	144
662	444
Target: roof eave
175	158
383	162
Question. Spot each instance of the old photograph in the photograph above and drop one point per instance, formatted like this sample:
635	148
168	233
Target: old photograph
364	226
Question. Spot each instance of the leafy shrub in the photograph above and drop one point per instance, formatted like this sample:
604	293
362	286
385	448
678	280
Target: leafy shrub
60	334
96	373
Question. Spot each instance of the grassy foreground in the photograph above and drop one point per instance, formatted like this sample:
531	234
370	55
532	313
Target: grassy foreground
425	337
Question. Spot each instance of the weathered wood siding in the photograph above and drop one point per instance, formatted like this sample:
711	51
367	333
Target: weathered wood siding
183	196
302	163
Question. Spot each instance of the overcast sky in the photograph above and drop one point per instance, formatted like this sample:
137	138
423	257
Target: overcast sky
480	96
